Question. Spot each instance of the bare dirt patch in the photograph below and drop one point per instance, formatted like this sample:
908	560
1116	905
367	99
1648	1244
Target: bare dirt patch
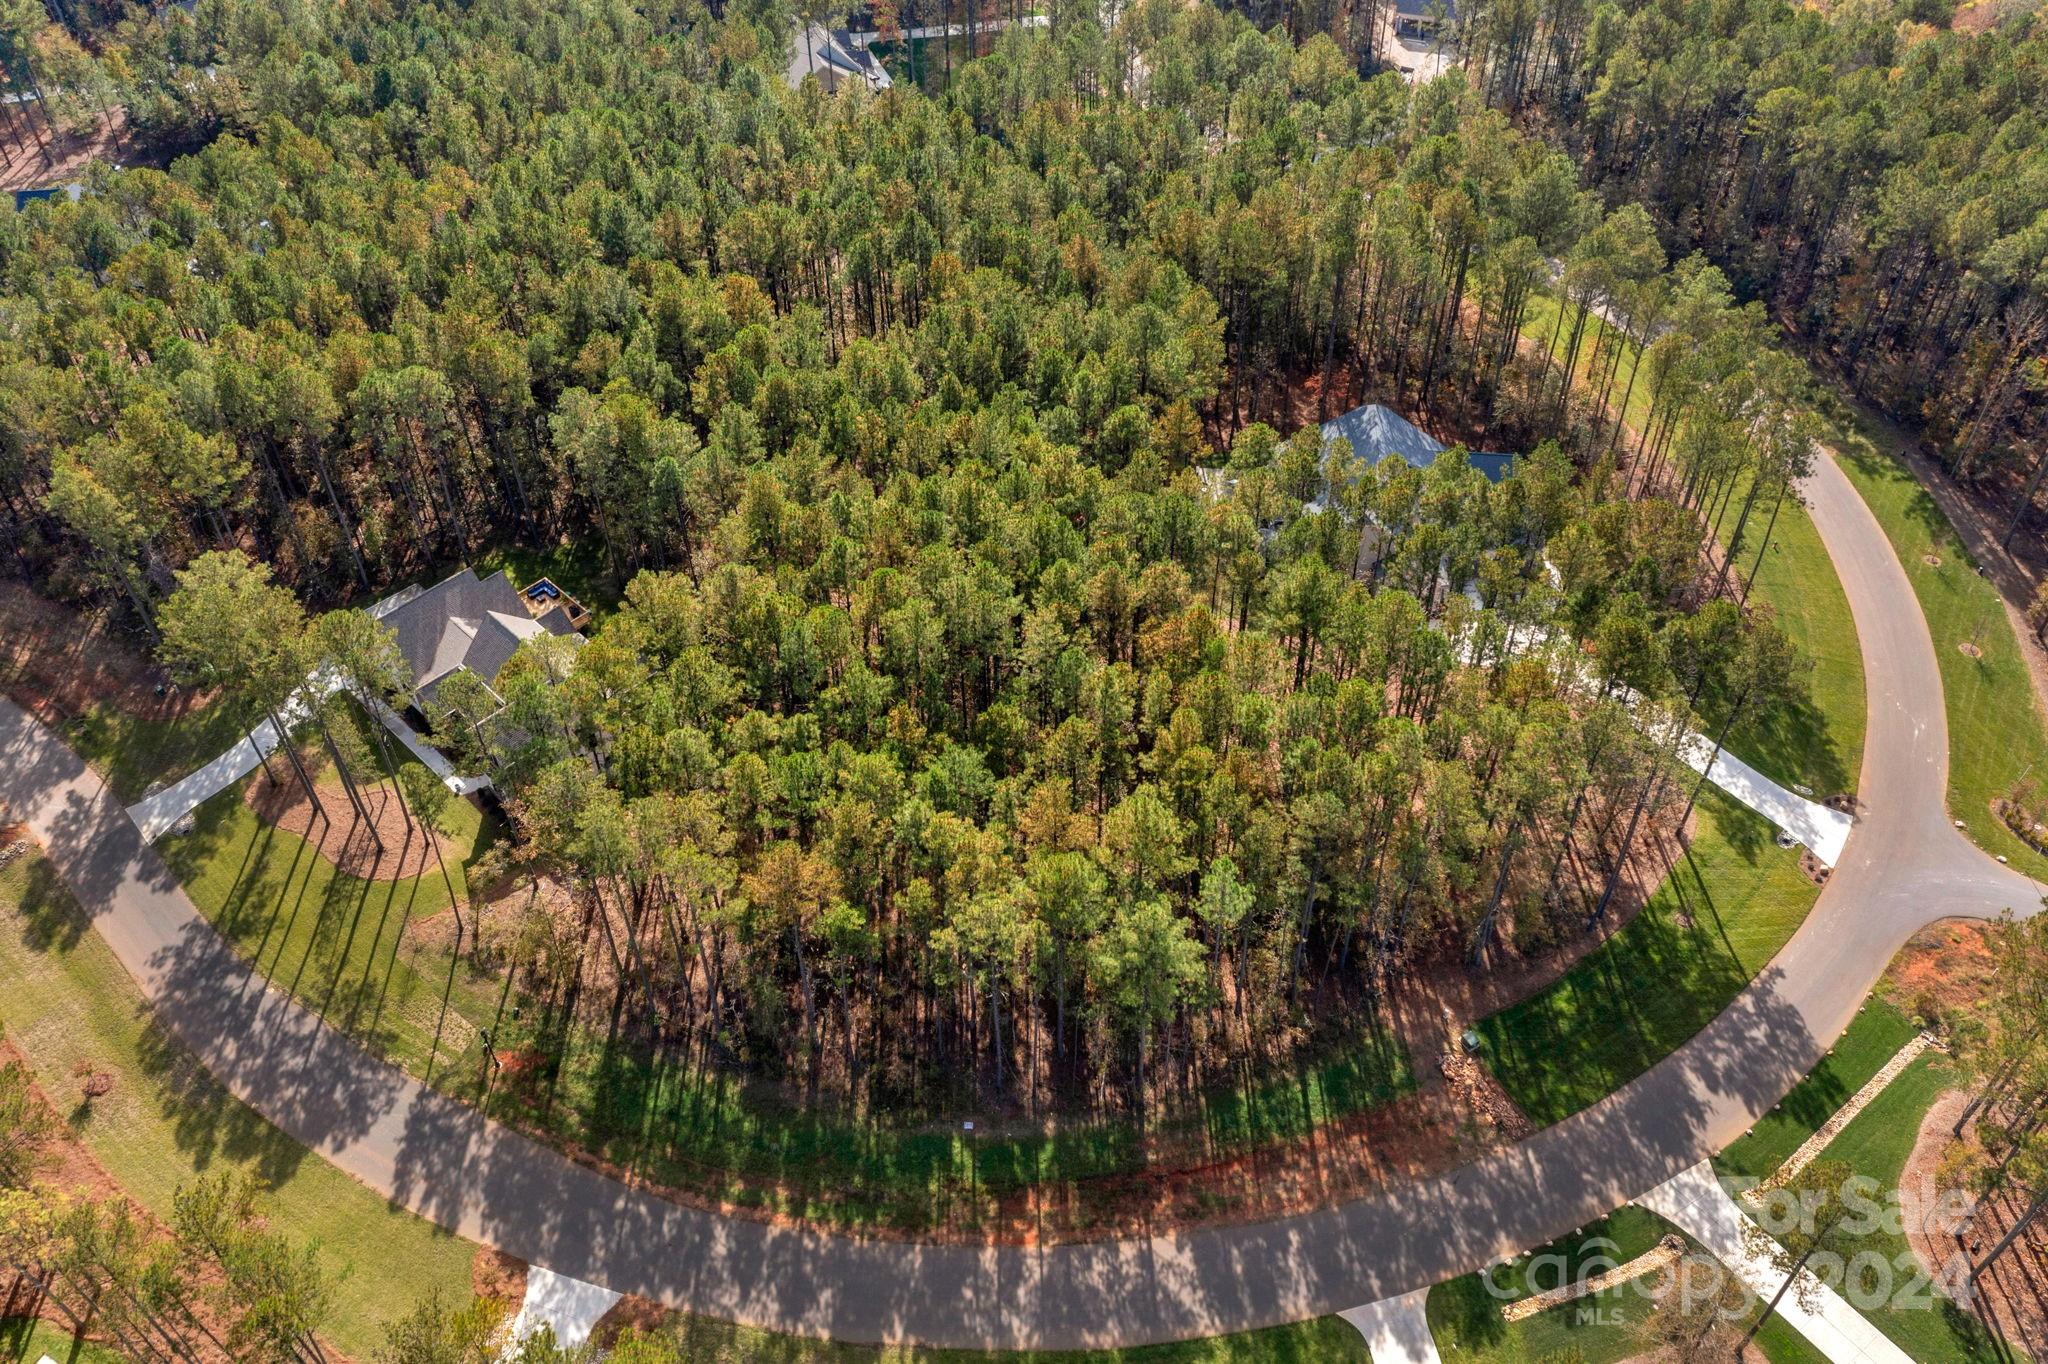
57	662
343	837
1944	968
498	1277
1930	1224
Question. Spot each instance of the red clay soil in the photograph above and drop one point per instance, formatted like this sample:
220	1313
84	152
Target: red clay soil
1946	967
343	838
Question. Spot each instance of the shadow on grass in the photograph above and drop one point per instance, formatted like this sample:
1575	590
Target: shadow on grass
51	918
1796	734
1627	1005
23	1339
207	1123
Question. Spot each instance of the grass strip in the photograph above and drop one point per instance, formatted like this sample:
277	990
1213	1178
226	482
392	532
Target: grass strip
1722	913
65	999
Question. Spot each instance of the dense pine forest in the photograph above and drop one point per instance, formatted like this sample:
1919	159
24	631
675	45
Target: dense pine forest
950	729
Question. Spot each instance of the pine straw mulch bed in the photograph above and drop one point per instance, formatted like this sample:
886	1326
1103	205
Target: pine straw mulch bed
2014	1292
342	837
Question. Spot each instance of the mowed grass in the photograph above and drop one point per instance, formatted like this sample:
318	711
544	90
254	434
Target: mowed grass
1815	738
65	999
24	1340
131	752
1995	733
1601	1328
1465	1314
1930	1328
1654	984
1872	1038
337	942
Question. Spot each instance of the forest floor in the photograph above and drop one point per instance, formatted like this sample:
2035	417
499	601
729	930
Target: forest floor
80	673
2014	1293
26	164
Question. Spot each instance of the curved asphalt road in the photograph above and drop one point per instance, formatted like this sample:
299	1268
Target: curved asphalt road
1904	867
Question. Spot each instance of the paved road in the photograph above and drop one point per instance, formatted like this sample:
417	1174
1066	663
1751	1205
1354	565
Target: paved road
1904	867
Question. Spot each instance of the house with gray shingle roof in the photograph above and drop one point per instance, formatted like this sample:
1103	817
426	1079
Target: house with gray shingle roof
469	624
836	57
1376	432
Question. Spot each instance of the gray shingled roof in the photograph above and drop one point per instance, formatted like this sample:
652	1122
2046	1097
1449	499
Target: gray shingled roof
465	621
1376	432
833	57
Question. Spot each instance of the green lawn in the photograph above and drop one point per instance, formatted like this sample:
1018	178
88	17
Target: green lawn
24	1340
130	753
580	570
1600	1329
1872	1039
1815	739
1654	984
1877	1144
65	999
1465	1316
1783	1345
1995	733
338	942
